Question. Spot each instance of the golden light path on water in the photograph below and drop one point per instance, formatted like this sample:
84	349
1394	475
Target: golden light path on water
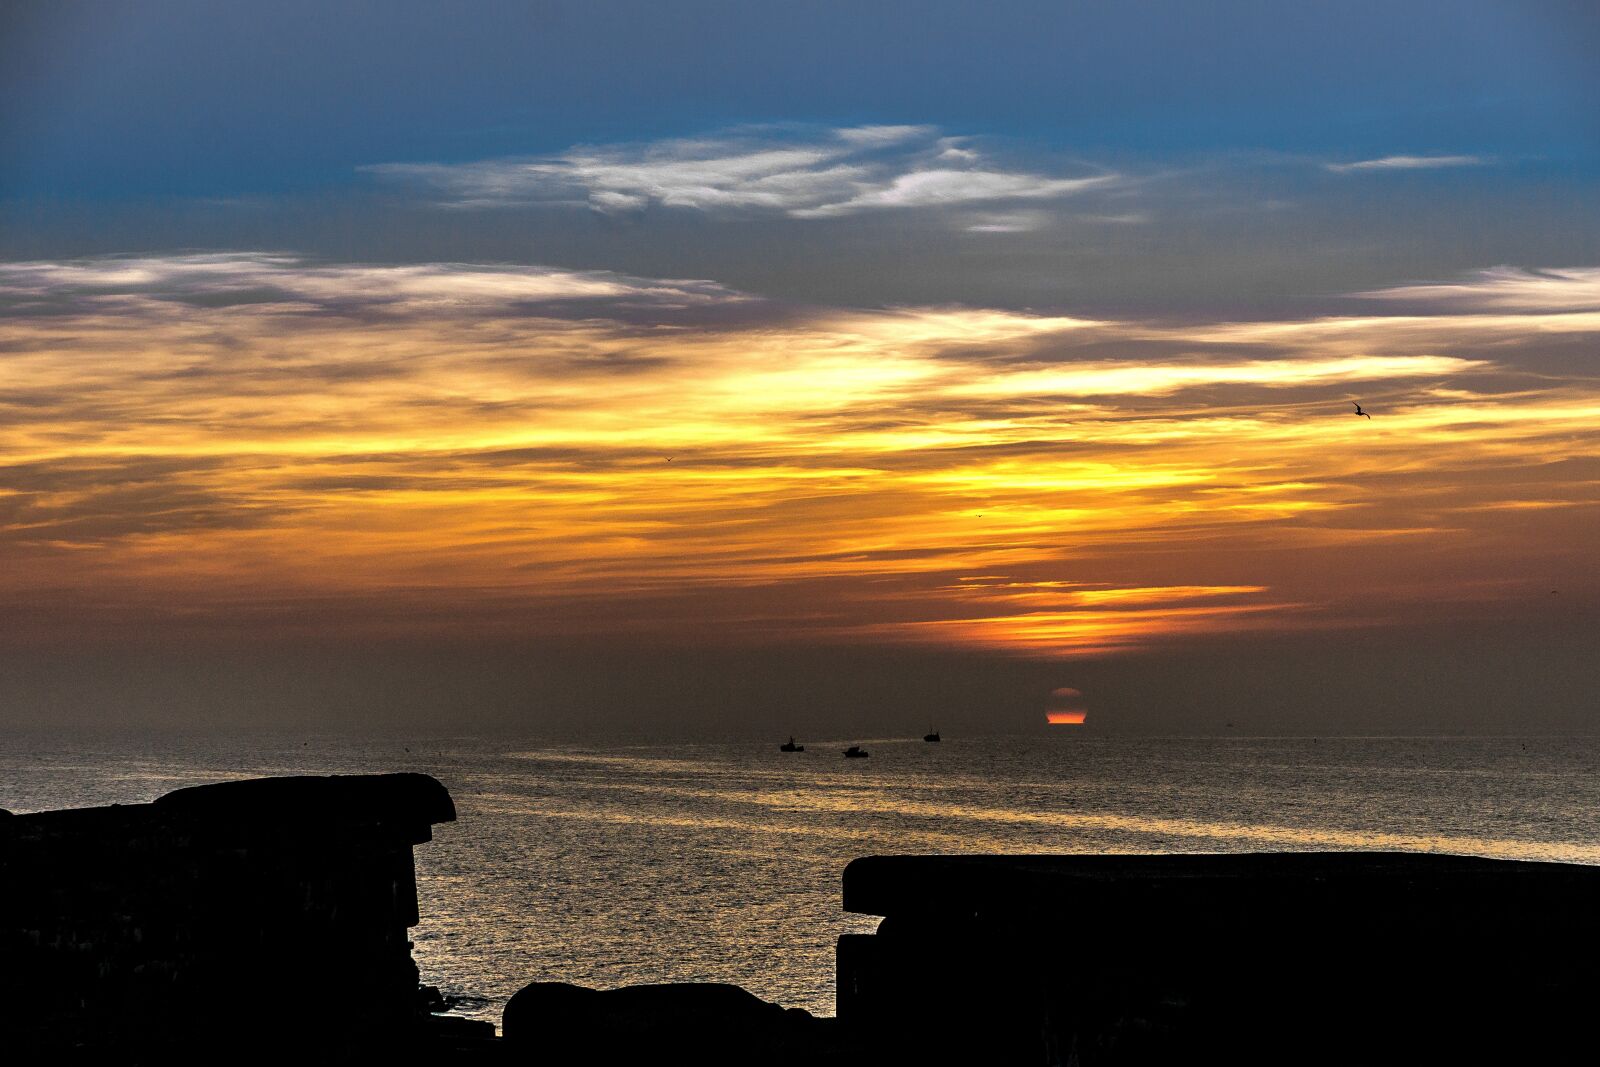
941	801
222	441
971	818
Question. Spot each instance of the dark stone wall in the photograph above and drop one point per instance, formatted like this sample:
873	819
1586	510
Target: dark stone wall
1307	958
267	922
266	917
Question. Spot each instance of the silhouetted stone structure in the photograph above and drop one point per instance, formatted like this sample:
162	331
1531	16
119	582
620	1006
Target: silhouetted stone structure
1350	958
256	920
266	922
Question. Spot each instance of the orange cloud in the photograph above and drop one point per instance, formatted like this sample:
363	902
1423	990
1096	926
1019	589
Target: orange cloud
261	441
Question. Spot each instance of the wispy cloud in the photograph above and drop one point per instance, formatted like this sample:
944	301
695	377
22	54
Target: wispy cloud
795	173
1567	289
1384	163
523	449
292	283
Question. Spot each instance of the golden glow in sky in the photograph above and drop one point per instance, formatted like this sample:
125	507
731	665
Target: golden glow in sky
262	442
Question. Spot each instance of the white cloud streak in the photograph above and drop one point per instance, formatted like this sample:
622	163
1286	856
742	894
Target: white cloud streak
765	171
294	283
1387	163
1567	289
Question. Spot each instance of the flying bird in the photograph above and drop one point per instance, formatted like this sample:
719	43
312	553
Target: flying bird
1359	411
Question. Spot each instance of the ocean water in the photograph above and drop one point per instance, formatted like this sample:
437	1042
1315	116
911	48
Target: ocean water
610	863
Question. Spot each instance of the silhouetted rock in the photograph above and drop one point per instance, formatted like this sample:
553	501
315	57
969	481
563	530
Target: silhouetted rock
267	918
266	922
1321	958
707	1023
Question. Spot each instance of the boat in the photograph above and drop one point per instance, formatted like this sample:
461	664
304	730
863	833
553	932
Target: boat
856	752
790	746
932	734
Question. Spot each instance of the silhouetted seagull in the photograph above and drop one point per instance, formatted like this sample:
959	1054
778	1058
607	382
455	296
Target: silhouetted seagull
1359	411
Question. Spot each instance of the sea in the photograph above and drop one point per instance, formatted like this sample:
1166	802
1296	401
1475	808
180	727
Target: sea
617	861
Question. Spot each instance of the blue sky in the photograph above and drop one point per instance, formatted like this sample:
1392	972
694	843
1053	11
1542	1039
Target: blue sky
120	100
1473	128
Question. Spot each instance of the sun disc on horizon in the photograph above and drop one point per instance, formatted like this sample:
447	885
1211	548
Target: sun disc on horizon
1067	707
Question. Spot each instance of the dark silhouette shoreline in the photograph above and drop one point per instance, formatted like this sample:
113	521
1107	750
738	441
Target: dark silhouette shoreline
202	926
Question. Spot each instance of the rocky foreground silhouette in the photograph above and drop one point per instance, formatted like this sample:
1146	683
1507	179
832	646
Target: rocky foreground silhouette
266	921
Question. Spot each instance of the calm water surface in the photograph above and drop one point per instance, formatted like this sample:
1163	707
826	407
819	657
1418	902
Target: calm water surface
607	864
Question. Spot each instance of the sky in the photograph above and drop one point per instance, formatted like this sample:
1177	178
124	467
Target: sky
737	369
